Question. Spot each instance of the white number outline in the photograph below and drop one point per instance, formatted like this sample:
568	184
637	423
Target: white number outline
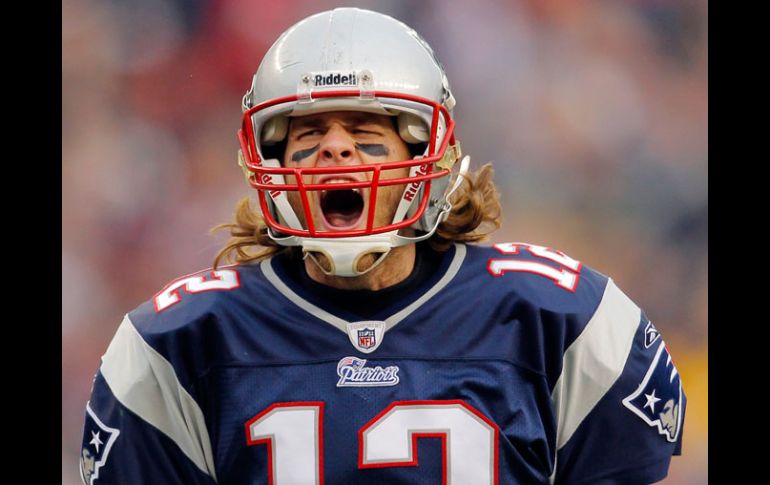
566	277
223	279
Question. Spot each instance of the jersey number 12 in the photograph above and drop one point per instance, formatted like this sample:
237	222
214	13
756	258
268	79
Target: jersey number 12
293	433
565	276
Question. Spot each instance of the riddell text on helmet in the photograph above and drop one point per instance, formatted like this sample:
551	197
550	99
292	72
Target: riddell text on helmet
414	186
335	79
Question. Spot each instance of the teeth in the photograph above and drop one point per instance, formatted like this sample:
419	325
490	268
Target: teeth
340	181
324	192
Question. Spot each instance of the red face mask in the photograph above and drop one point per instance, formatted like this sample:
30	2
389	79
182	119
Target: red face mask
273	191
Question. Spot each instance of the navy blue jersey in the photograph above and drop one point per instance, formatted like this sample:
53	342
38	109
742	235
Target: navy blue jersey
512	364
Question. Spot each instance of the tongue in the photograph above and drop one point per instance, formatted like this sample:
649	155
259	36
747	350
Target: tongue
339	219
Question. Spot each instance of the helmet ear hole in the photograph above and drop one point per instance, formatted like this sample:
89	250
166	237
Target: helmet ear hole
275	130
417	149
412	129
276	151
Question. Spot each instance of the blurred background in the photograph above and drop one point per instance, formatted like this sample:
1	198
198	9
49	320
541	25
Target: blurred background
593	112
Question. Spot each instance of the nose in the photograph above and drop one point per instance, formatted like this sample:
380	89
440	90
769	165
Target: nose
337	147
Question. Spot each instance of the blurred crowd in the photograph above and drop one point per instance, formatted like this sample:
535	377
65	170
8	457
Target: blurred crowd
594	114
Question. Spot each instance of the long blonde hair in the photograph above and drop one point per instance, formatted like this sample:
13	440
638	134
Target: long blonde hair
475	214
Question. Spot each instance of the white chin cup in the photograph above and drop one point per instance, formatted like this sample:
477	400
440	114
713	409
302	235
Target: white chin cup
343	254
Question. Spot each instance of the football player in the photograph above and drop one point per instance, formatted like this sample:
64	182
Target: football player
359	336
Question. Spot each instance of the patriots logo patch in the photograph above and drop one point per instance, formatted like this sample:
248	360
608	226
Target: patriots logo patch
658	400
98	438
354	373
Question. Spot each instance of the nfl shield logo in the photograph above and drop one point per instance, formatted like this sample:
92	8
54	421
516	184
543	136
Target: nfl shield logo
366	338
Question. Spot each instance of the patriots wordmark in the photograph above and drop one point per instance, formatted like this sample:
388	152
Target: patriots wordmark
354	373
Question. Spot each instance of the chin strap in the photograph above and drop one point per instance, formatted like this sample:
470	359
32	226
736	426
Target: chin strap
344	253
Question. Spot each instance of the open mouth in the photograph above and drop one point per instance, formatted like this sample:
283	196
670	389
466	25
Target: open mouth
342	209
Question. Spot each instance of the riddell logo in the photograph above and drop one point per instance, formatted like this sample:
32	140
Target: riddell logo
335	79
414	186
267	179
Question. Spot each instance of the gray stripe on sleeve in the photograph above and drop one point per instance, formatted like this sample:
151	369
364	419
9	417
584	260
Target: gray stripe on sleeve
594	361
145	382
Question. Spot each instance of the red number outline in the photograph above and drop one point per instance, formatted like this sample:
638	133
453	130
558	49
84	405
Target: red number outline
517	245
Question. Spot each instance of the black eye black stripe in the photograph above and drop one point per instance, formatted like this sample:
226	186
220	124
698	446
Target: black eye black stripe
373	149
300	155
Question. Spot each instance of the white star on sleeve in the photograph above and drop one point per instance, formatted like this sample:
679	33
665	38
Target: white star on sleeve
95	440
651	400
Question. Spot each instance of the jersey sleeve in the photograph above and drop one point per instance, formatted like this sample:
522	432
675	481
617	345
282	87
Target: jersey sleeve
619	401
141	426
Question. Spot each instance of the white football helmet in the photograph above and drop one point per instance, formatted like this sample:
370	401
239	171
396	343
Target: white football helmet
349	59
